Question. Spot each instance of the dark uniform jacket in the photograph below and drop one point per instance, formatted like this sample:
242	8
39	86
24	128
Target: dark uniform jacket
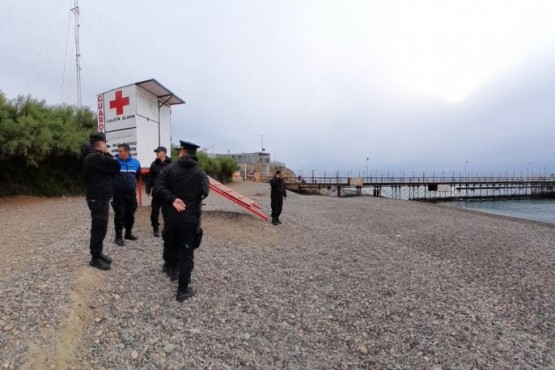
185	180
98	169
155	168
278	188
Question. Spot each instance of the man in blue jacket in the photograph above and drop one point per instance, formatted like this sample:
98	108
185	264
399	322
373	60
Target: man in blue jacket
125	194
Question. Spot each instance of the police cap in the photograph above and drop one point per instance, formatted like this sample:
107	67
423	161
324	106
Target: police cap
97	136
190	148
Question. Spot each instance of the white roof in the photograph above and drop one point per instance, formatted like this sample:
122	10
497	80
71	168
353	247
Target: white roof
162	93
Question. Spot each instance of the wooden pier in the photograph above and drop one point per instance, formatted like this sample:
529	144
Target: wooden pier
429	188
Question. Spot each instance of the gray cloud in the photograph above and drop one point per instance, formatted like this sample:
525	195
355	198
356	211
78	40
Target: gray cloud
327	84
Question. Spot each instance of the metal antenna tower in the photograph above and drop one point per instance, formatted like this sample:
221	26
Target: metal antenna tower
75	11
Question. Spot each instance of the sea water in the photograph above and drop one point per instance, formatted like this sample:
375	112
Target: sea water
529	209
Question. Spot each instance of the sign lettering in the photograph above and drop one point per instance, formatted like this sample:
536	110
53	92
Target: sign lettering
100	112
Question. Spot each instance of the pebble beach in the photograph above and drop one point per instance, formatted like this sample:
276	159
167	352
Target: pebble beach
343	283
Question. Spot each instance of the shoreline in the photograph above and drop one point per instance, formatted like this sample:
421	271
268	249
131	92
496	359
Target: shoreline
449	202
515	214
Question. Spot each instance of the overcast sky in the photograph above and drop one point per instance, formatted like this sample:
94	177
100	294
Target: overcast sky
412	85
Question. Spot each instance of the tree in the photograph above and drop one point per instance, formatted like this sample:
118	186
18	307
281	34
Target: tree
221	168
40	146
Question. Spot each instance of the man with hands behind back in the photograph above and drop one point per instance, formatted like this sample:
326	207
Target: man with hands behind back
181	186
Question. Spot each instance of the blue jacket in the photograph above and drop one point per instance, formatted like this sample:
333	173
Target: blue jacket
126	180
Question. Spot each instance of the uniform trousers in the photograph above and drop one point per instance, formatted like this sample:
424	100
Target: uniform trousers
125	205
178	249
277	205
100	211
155	212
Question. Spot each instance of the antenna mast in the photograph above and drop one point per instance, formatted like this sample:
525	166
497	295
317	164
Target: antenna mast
75	11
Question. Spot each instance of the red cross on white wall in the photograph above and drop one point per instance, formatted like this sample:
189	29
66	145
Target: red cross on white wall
119	102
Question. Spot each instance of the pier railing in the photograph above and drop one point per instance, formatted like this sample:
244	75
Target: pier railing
428	188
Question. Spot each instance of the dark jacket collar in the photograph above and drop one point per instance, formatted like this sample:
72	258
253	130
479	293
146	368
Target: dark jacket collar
166	161
187	161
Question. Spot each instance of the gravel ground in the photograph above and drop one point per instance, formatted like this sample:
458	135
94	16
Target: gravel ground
362	283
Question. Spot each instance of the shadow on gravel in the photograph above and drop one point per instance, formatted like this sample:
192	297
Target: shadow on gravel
237	227
226	215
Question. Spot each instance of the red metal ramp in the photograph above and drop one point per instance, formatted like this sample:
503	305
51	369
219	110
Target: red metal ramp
237	198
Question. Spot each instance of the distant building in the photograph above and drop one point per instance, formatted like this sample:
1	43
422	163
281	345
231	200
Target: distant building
249	158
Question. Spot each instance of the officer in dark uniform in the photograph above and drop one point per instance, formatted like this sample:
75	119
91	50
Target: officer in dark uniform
99	167
181	186
277	195
162	160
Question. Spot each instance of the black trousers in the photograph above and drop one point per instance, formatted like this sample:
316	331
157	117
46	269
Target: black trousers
155	212
277	205
100	211
179	251
124	206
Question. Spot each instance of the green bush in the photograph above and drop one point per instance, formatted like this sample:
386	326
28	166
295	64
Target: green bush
227	167
40	147
220	168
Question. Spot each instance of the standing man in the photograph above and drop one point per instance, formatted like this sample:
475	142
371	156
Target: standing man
181	186
99	167
277	195
125	194
159	163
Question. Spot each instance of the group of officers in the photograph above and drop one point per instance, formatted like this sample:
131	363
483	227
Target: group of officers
177	188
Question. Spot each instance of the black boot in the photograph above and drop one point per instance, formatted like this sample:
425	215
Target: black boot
274	221
174	274
183	295
119	241
156	231
130	236
100	264
171	271
166	268
278	221
106	258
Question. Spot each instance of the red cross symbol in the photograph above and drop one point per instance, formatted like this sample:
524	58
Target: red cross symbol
119	102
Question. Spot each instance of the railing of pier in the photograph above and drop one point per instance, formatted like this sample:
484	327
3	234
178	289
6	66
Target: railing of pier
371	180
431	188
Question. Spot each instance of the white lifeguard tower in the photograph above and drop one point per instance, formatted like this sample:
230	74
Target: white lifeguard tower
138	115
